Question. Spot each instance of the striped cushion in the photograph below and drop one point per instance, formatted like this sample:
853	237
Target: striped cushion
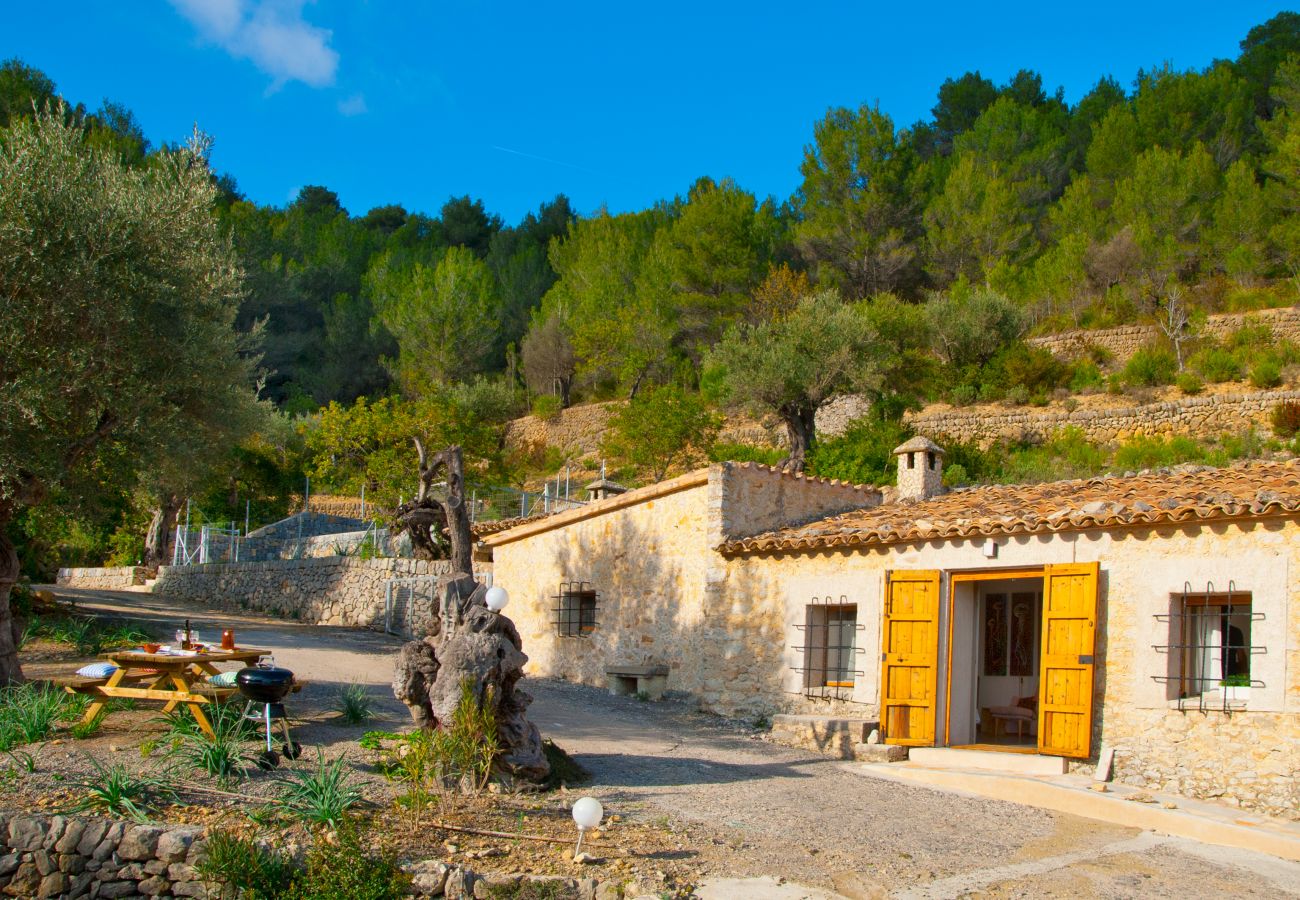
97	670
224	679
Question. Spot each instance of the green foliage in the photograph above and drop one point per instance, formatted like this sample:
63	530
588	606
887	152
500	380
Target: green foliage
29	712
323	796
1266	373
792	366
222	754
249	869
547	406
1217	364
1086	377
457	757
1150	367
117	791
724	451
84	729
863	454
354	703
107	340
660	428
971	326
1142	452
1285	418
1189	383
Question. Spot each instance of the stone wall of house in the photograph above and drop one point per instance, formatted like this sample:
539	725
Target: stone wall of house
111	579
1206	417
328	591
644	554
58	856
1123	341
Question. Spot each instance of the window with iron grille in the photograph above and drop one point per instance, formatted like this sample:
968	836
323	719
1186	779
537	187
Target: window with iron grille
830	649
575	609
1210	646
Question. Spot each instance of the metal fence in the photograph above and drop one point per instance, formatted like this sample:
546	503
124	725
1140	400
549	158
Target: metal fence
409	603
210	543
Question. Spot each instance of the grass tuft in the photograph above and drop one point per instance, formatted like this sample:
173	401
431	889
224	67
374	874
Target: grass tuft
354	704
116	791
322	796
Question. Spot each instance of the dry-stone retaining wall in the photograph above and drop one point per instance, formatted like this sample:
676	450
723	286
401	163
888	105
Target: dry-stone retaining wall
56	857
330	591
115	579
1124	341
1208	416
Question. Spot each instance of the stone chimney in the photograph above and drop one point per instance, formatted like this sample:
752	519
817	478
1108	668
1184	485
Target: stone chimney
920	469
602	487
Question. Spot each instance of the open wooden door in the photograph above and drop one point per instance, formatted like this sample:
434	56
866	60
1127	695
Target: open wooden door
1069	642
910	658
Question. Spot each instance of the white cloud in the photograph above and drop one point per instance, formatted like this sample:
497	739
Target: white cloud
271	34
353	106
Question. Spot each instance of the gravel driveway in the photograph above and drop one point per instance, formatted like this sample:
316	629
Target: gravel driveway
748	808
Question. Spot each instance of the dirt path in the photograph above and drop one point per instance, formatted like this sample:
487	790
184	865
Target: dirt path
749	808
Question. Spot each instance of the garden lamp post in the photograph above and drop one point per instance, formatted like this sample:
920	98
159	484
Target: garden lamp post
496	599
587	813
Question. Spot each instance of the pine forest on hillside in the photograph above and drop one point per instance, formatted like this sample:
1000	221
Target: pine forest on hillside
909	267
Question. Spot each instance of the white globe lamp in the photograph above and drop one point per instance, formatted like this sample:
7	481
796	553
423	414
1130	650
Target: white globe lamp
496	599
587	813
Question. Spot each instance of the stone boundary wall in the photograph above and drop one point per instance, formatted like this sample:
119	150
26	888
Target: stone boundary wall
1203	417
58	856
1124	340
329	591
64	856
746	499
114	579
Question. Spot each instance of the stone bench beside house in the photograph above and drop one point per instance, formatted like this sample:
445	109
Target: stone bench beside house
650	681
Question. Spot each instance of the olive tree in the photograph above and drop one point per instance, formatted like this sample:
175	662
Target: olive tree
791	366
118	295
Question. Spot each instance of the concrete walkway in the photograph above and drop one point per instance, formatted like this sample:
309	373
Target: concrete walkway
755	810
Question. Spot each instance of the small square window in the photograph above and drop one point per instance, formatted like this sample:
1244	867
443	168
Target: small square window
575	609
829	656
1214	638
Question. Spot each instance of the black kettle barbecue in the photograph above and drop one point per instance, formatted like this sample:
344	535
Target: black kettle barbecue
267	685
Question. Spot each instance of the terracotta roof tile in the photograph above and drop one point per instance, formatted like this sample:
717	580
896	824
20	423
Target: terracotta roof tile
483	529
1181	494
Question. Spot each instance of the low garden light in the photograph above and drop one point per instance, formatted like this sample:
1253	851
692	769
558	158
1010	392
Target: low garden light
496	599
587	813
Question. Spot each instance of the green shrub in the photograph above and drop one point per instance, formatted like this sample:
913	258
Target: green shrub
1251	336
1286	418
1189	383
963	394
1217	364
1143	452
1033	370
246	868
1266	373
863	454
547	406
1151	367
955	475
1086	376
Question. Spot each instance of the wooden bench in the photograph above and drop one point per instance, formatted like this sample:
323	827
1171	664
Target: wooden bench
648	680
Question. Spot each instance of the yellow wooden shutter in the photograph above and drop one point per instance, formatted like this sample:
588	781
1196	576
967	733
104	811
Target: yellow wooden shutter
910	657
1068	644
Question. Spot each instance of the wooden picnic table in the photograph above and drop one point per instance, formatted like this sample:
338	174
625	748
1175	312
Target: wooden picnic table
175	678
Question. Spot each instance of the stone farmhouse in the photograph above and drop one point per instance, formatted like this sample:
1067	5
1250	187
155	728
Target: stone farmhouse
1156	615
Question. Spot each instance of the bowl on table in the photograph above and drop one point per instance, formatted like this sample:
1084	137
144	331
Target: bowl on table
151	648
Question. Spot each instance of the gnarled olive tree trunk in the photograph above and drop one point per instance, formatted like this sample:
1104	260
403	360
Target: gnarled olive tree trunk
466	643
162	532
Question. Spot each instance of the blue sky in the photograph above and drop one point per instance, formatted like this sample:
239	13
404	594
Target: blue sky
611	103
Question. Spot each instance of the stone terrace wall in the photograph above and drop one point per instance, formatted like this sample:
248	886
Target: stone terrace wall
330	591
57	856
1203	417
577	429
1124	341
115	579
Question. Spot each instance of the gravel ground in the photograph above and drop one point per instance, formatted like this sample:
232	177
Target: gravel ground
721	801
